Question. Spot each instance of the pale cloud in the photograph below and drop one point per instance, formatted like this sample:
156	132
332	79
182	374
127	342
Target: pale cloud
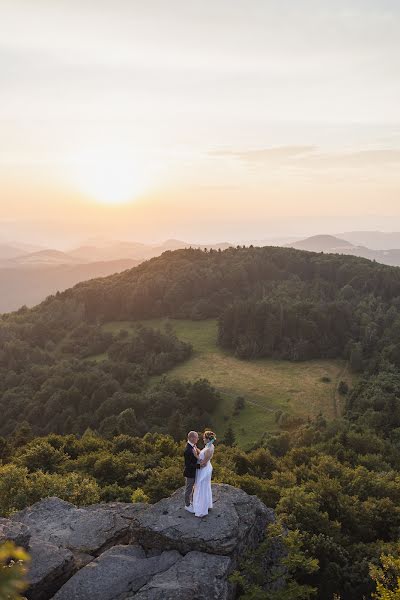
312	157
277	154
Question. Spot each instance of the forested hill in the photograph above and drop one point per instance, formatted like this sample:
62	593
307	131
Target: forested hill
271	301
196	284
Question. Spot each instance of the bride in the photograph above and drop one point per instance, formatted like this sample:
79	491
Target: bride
202	497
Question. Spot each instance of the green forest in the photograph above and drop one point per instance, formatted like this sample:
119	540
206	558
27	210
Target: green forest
92	415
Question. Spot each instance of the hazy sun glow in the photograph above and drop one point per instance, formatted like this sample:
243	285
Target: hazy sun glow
108	176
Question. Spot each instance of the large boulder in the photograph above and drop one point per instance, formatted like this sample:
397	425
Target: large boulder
196	576
49	569
14	532
88	530
123	551
236	523
116	574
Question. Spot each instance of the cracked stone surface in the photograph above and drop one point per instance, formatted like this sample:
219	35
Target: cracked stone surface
120	551
14	532
117	573
236	522
89	530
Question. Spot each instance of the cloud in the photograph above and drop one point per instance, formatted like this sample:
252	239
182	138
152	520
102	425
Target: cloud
278	153
311	157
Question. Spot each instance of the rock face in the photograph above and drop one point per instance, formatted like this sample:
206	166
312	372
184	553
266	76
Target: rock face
123	551
237	522
14	532
118	573
89	530
196	575
51	567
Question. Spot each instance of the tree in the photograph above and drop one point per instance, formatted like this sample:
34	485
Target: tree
356	358
386	578
239	405
39	454
258	580
230	438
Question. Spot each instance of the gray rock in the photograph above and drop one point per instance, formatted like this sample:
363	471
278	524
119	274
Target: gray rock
14	532
116	574
196	576
236	523
49	569
88	530
122	551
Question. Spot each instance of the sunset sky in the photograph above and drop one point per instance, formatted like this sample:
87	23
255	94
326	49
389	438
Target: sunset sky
207	121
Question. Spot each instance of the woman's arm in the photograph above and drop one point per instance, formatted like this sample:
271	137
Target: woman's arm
206	458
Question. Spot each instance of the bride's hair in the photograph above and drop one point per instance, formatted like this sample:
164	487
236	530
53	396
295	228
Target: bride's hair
210	435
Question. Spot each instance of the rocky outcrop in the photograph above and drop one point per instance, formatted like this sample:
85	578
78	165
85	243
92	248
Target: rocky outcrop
14	532
89	530
50	568
123	551
117	573
236	523
196	575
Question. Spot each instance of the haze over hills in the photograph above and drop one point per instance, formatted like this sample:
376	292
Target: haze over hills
29	285
376	240
334	245
29	273
41	258
28	278
322	243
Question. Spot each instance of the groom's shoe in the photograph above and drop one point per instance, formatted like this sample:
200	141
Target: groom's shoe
189	508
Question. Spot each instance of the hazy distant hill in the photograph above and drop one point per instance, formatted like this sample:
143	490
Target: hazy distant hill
113	250
30	285
334	245
42	258
28	278
14	249
376	240
322	243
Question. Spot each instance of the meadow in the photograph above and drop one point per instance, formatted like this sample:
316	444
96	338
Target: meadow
301	389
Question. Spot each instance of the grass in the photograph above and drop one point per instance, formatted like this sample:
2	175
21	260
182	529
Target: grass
301	389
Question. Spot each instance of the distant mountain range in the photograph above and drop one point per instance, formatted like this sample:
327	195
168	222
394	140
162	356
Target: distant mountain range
375	240
30	285
334	245
28	273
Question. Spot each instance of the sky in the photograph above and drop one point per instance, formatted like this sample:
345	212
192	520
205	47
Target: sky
207	121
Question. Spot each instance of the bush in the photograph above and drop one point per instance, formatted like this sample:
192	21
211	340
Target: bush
13	571
139	496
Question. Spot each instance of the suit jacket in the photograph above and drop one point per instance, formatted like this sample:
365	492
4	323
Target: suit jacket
190	462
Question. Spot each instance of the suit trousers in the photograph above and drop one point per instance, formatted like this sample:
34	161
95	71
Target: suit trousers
189	490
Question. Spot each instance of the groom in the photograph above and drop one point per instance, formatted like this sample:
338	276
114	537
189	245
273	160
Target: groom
190	468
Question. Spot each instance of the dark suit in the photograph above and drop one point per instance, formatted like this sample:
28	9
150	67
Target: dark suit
190	472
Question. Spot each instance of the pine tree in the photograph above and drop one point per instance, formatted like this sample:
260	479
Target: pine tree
230	438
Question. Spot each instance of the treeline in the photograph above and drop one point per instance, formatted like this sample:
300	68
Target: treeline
336	485
60	388
291	330
291	324
195	284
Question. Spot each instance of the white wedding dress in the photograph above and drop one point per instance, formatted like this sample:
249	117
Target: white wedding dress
202	497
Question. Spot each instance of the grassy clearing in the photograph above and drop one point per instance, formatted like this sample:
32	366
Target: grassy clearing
267	385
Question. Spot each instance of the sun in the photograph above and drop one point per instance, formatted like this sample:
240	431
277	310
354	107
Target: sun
109	175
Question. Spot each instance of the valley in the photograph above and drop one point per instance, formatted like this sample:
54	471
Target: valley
299	389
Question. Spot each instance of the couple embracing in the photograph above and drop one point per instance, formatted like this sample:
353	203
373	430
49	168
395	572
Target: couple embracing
198	471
